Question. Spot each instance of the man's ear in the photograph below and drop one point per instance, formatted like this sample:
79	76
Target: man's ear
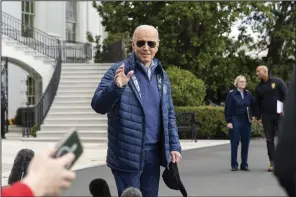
133	45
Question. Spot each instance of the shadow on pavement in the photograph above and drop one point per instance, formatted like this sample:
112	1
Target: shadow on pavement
204	172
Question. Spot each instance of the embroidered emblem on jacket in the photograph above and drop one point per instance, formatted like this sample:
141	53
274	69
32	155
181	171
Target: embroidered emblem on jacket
134	78
159	82
273	85
165	89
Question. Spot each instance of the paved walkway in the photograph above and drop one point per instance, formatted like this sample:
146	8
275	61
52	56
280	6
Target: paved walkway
204	172
93	155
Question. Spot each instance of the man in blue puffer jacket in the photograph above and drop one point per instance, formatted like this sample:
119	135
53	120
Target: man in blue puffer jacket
142	130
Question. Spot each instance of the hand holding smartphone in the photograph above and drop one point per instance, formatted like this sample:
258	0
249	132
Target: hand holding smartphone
70	143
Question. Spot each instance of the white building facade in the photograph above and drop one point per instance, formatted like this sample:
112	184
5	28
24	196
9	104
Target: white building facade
67	20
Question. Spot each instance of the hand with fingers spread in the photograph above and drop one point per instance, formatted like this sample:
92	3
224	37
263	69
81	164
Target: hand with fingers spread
48	176
120	78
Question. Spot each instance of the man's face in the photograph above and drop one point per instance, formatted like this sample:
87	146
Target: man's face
145	44
260	73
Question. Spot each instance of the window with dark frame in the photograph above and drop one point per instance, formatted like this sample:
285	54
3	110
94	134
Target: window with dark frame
28	14
71	20
31	90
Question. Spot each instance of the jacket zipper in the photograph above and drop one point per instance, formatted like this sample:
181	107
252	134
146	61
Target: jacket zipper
162	106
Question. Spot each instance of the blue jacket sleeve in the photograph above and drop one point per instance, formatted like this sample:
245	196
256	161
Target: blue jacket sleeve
107	93
173	129
227	109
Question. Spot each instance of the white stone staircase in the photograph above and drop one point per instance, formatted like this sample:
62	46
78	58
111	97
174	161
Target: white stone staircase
28	58
72	105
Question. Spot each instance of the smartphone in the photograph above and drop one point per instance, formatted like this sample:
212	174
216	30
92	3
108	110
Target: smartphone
70	143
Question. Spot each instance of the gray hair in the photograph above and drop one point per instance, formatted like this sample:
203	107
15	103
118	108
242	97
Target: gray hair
131	192
237	79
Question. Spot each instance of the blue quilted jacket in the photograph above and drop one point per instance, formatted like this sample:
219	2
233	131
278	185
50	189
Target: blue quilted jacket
126	118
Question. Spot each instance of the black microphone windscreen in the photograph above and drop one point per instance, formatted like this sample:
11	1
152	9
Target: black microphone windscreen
131	192
99	188
20	165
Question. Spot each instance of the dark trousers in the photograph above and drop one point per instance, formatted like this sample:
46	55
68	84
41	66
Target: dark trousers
3	122
270	126
147	182
242	131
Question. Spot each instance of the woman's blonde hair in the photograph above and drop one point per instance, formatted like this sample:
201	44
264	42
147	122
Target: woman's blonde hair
237	79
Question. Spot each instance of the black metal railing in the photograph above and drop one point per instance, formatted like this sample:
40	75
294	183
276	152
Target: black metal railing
30	118
30	36
76	52
4	90
34	116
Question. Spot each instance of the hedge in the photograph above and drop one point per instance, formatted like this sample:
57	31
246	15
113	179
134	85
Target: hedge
186	91
213	125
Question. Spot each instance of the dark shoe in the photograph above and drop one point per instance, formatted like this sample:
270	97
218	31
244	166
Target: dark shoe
244	169
3	137
233	169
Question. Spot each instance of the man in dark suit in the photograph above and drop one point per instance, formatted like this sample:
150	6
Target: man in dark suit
269	92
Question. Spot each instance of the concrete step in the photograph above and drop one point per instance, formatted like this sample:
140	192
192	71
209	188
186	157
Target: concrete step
76	94
31	52
85	91
14	129
82	134
97	140
49	61
71	98
74	103
96	76
80	80
82	75
12	43
86	66
71	108
74	115
41	56
81	84
78	126
22	47
73	121
84	72
81	88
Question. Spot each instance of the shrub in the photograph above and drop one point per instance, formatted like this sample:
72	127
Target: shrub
187	90
212	123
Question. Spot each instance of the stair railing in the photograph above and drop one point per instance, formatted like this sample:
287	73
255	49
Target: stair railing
31	118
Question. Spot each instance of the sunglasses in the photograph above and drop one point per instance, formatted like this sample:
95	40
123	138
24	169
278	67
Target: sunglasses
141	43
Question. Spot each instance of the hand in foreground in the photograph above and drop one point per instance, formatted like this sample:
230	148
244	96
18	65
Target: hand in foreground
48	176
120	78
175	156
253	119
229	126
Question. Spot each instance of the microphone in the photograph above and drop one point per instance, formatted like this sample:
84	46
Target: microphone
131	192
20	165
99	188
